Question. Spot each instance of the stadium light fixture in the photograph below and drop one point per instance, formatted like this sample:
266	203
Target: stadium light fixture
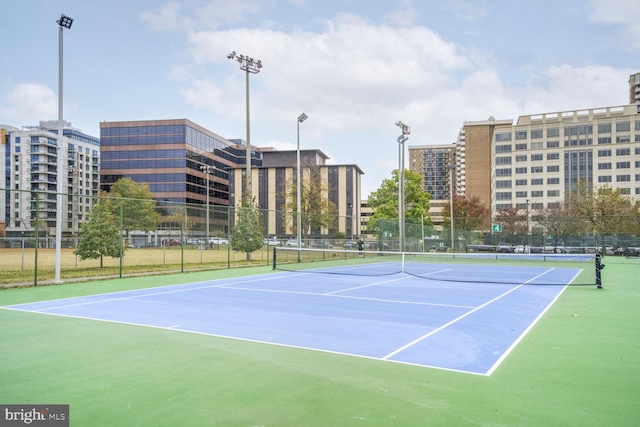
63	22
250	66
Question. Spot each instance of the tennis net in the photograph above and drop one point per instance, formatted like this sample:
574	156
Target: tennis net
530	269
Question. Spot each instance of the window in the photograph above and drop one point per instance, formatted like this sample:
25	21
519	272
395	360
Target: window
623	178
637	177
553	132
521	194
521	170
623	152
503	148
625	191
503	172
623	138
553	193
623	127
553	144
555	168
521	134
603	166
503	160
604	140
521	182
604	128
604	179
537	193
537	181
536	157
521	158
553	181
504	195
604	153
536	145
553	156
521	146
623	165
536	133
503	136
537	169
503	184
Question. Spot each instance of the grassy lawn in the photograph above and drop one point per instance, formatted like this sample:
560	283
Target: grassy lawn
579	366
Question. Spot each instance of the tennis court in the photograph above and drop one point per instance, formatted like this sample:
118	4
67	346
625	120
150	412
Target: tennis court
461	319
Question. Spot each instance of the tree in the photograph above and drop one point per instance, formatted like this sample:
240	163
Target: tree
514	222
317	212
100	235
384	201
247	233
469	215
139	208
605	211
557	221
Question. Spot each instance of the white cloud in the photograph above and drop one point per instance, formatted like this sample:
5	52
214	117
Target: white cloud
176	16
623	14
468	10
28	103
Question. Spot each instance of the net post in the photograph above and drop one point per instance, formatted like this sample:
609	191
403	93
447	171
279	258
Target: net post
599	267
274	257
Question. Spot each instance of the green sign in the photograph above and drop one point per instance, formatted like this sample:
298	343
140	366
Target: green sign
496	228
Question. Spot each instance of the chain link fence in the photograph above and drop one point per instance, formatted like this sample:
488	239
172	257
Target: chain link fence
112	237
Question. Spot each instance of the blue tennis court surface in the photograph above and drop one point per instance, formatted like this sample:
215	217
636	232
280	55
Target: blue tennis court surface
466	327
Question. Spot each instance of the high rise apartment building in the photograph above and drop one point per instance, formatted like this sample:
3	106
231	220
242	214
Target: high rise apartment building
34	159
535	162
541	158
437	165
634	89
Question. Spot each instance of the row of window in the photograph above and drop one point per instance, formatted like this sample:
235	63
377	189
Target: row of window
572	130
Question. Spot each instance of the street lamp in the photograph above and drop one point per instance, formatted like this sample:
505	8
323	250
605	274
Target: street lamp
406	130
249	65
451	168
63	22
301	118
207	169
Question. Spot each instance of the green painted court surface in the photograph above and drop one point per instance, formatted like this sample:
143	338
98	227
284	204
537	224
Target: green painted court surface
578	366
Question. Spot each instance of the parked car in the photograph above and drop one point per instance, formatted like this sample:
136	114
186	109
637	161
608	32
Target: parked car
272	242
194	241
218	241
350	244
294	243
171	242
321	245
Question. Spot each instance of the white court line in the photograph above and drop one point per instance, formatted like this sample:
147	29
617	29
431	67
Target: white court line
132	296
425	336
378	283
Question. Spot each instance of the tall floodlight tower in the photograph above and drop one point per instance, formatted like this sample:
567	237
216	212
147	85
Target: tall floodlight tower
249	66
406	130
63	22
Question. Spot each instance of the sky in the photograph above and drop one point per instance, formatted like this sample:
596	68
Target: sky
355	67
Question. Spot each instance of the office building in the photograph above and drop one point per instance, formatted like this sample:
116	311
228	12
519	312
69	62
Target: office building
341	184
34	158
178	159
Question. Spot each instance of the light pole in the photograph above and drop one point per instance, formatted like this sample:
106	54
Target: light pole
301	118
451	168
406	130
207	169
249	65
528	240
63	22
